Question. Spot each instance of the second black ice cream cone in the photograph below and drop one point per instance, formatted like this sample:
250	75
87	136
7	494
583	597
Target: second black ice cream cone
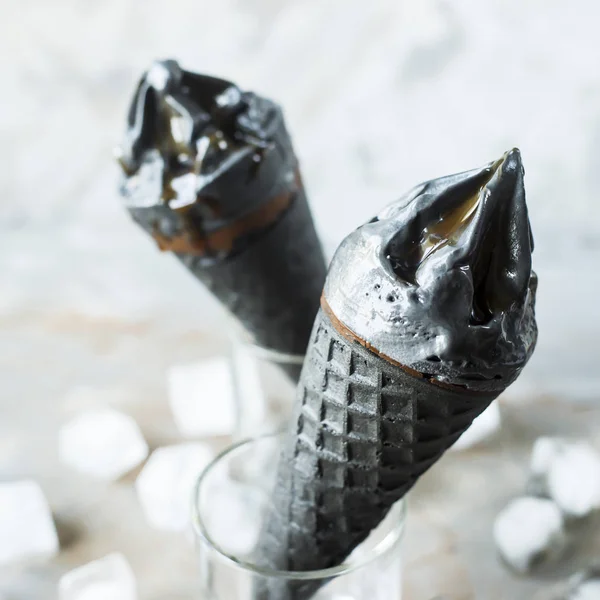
427	315
211	175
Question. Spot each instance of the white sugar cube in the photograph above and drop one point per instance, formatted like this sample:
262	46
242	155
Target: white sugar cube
166	483
202	398
568	472
574	479
109	578
103	443
544	451
483	426
528	531
26	526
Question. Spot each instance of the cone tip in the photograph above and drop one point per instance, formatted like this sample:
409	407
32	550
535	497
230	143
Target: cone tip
163	74
443	271
511	160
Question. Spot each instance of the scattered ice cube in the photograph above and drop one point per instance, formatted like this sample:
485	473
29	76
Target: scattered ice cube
103	443
166	482
585	585
568	472
109	578
26	526
484	426
202	397
529	531
574	479
545	450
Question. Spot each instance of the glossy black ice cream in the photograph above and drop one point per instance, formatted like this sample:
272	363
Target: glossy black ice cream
426	317
210	173
199	157
441	280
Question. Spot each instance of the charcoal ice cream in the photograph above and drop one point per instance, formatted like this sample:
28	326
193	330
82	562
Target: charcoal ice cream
211	175
444	283
426	316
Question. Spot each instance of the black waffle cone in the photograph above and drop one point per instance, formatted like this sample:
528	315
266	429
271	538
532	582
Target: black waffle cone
365	430
210	173
273	285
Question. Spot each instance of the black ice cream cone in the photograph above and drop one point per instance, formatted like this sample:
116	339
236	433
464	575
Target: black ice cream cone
211	175
427	315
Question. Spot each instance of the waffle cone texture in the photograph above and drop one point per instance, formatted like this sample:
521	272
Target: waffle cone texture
364	431
209	172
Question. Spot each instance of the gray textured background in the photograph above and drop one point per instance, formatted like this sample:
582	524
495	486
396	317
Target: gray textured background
379	95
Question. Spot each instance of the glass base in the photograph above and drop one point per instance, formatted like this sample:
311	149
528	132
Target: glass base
228	506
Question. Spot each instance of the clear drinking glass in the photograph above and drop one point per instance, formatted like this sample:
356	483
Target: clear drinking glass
227	511
264	386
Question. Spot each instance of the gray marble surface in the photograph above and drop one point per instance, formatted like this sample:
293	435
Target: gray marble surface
379	95
448	547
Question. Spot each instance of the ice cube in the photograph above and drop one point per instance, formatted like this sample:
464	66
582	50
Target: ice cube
108	578
529	531
574	479
484	426
545	450
26	526
166	482
202	398
585	585
103	443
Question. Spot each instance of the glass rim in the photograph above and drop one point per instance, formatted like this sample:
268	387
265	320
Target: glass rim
390	540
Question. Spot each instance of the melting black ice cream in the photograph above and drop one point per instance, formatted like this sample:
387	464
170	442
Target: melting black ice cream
207	166
444	284
211	175
427	315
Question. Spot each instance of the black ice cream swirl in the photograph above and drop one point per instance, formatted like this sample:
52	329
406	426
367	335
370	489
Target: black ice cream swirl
205	164
441	280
